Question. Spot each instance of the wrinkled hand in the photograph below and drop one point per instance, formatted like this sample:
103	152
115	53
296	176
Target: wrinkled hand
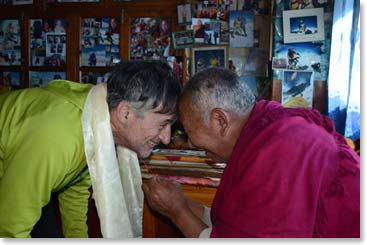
165	196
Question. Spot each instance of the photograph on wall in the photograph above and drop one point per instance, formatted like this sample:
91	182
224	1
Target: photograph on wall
150	38
183	39
55	44
297	88
207	31
198	26
212	10
42	78
224	32
10	42
279	63
241	27
256	62
305	25
10	80
302	56
100	41
184	14
47	42
94	77
212	32
204	57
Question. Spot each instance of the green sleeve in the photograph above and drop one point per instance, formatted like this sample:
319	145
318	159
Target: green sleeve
73	204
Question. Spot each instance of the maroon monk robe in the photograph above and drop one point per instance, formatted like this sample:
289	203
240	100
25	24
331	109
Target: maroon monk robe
290	175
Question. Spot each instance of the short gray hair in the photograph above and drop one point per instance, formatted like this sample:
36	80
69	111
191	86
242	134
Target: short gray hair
219	88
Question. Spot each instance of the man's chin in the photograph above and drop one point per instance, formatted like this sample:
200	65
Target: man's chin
145	154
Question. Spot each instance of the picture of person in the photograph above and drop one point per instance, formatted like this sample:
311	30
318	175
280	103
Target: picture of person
239	27
113	26
59	26
164	28
184	14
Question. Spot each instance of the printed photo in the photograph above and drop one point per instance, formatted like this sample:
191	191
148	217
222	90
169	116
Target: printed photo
183	39
184	14
205	57
297	88
241	28
303	25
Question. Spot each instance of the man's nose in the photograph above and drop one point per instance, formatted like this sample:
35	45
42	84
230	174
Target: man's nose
165	135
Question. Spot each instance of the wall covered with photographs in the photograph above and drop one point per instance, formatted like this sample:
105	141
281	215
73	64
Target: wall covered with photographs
301	50
262	41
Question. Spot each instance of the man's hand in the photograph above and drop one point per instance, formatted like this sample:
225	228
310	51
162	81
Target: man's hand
165	196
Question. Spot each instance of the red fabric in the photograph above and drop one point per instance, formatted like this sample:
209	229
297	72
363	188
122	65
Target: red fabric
290	175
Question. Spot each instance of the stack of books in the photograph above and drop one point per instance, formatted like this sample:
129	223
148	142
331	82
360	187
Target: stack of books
183	166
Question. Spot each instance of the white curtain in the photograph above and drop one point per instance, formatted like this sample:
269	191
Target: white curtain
344	69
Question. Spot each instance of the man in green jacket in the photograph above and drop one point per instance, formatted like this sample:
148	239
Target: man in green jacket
42	149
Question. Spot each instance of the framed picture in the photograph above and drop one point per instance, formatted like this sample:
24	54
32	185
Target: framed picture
183	39
204	57
305	25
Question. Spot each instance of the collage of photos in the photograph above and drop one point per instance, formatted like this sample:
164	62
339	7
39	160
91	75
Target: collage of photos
10	43
41	78
301	47
150	38
100	41
48	42
223	22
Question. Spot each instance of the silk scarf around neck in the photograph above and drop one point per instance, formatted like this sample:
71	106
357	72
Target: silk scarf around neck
116	177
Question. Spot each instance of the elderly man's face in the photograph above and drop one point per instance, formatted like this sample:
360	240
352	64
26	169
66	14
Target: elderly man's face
200	135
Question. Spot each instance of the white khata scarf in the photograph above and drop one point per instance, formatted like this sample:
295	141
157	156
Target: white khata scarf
116	181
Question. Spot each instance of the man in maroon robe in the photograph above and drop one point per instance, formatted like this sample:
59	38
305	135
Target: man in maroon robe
288	174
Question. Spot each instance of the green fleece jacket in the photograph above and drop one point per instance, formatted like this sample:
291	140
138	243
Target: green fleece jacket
41	151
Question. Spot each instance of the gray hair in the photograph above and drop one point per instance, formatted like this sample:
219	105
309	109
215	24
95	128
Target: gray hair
219	88
145	85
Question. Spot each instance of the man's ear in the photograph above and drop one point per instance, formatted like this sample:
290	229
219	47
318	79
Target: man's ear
219	121
123	112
